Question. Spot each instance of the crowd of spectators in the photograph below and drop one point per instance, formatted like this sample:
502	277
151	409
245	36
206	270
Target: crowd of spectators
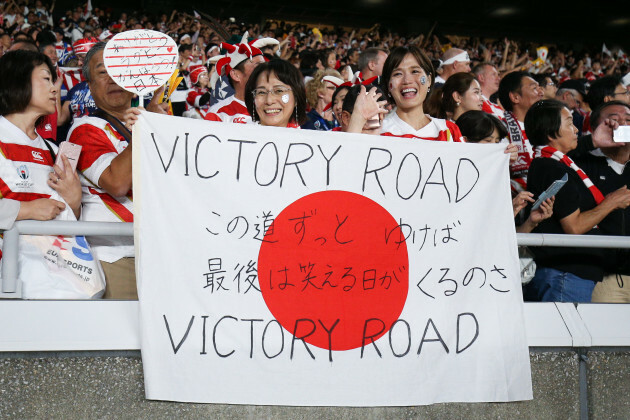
556	109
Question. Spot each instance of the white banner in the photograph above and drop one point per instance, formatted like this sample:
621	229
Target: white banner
296	267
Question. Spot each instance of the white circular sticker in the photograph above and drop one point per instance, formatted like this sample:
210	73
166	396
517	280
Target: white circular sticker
140	61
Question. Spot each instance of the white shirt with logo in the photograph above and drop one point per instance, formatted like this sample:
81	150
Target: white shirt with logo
25	165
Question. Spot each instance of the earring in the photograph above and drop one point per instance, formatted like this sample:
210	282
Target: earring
296	115
428	90
457	103
254	115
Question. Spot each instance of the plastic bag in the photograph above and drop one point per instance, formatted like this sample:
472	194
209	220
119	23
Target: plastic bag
59	267
528	265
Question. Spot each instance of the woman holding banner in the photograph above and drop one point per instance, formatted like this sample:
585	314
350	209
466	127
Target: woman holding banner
407	79
275	95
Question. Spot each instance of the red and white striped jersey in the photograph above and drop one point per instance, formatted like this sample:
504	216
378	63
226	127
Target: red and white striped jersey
194	95
229	109
25	165
492	109
436	130
101	143
71	76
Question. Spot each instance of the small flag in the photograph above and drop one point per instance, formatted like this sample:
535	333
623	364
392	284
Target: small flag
606	50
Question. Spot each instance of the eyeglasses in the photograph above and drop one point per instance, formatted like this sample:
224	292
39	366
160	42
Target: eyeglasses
626	92
277	92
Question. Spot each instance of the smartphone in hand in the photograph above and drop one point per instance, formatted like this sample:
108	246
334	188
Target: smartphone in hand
71	151
622	134
551	191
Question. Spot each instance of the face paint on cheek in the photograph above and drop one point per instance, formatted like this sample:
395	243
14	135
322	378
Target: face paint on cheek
285	98
423	80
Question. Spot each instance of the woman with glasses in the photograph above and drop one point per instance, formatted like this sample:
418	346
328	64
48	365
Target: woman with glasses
275	95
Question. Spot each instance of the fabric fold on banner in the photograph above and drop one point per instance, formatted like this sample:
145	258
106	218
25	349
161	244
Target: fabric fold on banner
294	267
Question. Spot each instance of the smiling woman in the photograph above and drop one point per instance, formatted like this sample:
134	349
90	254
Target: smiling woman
275	95
460	93
407	79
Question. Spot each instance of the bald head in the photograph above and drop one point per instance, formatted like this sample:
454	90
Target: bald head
457	61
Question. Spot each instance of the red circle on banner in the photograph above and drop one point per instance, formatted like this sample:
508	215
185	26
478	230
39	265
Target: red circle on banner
334	257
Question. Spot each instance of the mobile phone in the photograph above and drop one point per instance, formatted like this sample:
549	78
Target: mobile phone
70	150
551	191
372	123
622	134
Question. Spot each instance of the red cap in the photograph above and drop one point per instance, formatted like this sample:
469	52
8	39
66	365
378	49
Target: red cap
83	45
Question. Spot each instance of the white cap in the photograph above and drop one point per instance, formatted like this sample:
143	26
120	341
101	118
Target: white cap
265	42
332	79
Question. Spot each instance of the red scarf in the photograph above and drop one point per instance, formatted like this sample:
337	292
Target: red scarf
550	152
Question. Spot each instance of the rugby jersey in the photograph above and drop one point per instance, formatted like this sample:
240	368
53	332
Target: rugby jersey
436	130
229	109
492	109
25	165
100	145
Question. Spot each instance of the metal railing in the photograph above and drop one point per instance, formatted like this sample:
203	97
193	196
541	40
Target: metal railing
33	227
10	248
10	252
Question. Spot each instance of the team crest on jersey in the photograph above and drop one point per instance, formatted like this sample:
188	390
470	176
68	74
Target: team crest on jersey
23	172
24	175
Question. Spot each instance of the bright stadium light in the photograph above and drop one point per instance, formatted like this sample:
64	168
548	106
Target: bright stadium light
620	21
505	11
